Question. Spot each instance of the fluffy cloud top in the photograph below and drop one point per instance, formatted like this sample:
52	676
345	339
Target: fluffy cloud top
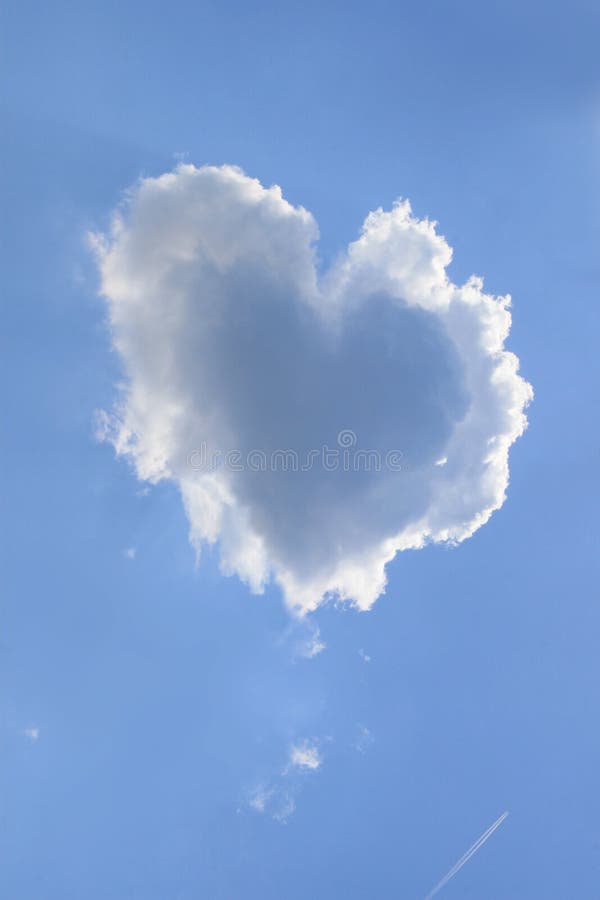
245	366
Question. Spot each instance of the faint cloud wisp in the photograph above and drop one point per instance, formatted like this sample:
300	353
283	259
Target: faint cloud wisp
277	797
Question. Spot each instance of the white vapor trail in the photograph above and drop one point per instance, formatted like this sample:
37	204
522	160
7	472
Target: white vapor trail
467	856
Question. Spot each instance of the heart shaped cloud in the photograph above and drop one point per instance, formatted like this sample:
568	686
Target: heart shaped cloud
316	424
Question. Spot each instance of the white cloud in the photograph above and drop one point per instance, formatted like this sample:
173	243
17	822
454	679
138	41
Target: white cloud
277	797
231	341
312	645
259	798
32	734
364	656
305	755
130	553
274	801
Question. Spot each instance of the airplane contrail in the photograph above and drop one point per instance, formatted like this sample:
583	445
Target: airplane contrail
467	856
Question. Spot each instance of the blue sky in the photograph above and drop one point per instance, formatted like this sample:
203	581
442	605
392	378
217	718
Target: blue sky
145	700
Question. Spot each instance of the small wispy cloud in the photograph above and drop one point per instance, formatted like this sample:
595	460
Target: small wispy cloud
364	739
311	646
130	553
276	797
259	797
275	801
364	655
32	734
305	755
285	808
